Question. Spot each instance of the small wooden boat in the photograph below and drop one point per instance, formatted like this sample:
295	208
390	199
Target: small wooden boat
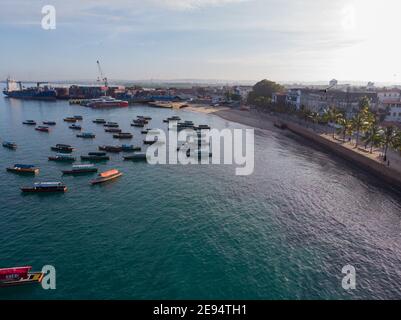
24	169
42	129
79	118
130	148
75	127
123	135
70	119
140	121
62	158
45	187
144	117
114	149
138	125
80	169
173	118
107	176
136	157
95	158
111	125
203	127
49	123
63	148
113	130
30	122
9	145
86	135
149	142
19	276
100	154
99	121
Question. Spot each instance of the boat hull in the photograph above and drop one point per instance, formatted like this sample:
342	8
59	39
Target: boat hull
23	171
44	190
104	180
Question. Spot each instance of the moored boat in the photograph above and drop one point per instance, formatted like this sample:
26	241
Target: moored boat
106	102
80	169
86	135
100	154
114	149
42	129
62	158
123	135
130	148
144	117
75	127
111	124
113	130
95	158
19	276
9	145
63	148
138	125
145	131
136	157
70	119
49	123
79	118
30	122
107	176
45	187
99	121
24	169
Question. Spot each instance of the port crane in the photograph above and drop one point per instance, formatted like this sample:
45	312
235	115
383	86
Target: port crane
102	76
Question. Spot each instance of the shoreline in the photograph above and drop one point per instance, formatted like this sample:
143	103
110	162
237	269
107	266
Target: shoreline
369	162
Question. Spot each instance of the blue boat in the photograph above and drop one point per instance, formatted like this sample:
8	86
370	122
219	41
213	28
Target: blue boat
15	90
86	135
9	145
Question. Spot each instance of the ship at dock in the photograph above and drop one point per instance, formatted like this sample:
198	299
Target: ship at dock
14	89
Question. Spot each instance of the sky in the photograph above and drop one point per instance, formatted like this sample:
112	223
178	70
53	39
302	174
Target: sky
281	40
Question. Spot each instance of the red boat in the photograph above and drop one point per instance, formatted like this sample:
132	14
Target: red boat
42	128
18	276
107	102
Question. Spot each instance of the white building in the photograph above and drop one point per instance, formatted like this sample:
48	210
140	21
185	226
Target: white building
394	112
294	98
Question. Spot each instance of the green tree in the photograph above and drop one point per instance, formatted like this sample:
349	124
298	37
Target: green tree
390	138
361	121
264	89
373	136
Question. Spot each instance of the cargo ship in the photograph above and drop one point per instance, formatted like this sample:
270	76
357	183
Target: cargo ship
19	276
15	90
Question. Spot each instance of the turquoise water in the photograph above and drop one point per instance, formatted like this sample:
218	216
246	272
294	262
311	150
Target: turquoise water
186	232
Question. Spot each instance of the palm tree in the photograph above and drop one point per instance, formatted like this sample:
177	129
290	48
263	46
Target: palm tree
345	124
361	120
373	136
390	138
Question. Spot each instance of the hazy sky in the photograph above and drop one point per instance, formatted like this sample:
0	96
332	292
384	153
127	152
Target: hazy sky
283	40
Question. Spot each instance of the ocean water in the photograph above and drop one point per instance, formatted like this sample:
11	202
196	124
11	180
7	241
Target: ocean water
194	232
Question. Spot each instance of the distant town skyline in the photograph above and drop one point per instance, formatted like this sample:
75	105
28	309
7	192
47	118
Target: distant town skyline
226	40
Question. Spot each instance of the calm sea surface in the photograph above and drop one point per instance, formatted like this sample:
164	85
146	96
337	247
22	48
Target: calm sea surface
186	232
